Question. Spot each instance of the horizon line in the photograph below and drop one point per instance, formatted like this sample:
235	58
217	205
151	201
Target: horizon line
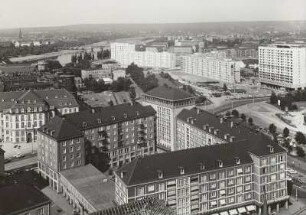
149	23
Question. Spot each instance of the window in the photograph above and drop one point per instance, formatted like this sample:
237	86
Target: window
151	188
40	211
140	191
212	176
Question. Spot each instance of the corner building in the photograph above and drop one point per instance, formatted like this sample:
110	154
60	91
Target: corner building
226	178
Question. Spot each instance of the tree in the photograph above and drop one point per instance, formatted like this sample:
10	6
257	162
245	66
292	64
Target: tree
273	98
73	59
111	103
286	132
228	113
300	138
132	93
225	87
272	128
235	113
300	151
250	121
200	99
243	117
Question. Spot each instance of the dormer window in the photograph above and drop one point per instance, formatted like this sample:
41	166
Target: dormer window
202	166
237	160
182	170
113	118
99	120
137	113
271	149
125	115
84	124
220	163
160	174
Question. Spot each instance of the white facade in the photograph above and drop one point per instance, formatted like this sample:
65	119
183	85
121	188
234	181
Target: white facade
126	54
283	65
224	70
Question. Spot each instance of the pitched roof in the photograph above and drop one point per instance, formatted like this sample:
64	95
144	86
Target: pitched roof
236	130
109	115
169	93
60	129
58	98
20	198
145	169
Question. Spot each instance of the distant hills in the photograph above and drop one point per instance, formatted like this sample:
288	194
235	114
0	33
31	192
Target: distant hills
173	27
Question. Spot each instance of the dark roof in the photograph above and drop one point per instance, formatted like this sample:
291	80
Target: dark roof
58	98
60	129
18	198
109	115
169	93
2	151
237	130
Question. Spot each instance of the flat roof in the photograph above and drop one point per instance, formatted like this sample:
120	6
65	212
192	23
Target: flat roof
92	184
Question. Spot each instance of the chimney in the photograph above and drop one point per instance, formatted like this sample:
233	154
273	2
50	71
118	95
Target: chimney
205	127
202	166
226	136
137	113
198	111
211	129
232	124
232	138
93	110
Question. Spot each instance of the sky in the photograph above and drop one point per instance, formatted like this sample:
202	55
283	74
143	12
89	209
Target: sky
38	13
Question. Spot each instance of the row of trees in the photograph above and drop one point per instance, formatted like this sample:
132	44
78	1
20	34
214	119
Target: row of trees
235	113
103	54
285	101
122	84
147	82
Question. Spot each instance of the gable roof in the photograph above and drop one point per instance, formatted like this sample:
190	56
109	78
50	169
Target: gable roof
145	169
109	115
239	131
169	93
15	199
58	98
60	129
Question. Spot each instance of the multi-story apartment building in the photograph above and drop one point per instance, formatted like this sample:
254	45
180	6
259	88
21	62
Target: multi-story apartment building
23	112
60	147
126	54
123	131
224	70
283	65
168	102
218	179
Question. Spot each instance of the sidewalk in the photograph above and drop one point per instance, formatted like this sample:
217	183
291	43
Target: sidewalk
295	208
59	201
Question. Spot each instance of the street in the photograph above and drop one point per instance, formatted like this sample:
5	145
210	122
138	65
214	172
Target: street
21	163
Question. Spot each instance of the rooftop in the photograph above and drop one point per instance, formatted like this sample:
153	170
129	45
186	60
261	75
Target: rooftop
93	185
109	115
210	123
58	98
169	93
60	129
15	199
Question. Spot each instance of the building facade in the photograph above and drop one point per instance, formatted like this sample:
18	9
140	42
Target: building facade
96	73
225	178
168	102
126	54
23	112
283	66
123	131
60	147
1	162
224	70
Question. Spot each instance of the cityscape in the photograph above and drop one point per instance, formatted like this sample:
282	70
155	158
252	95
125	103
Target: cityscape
145	107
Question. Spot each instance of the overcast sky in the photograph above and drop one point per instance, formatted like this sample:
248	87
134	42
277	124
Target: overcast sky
35	13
